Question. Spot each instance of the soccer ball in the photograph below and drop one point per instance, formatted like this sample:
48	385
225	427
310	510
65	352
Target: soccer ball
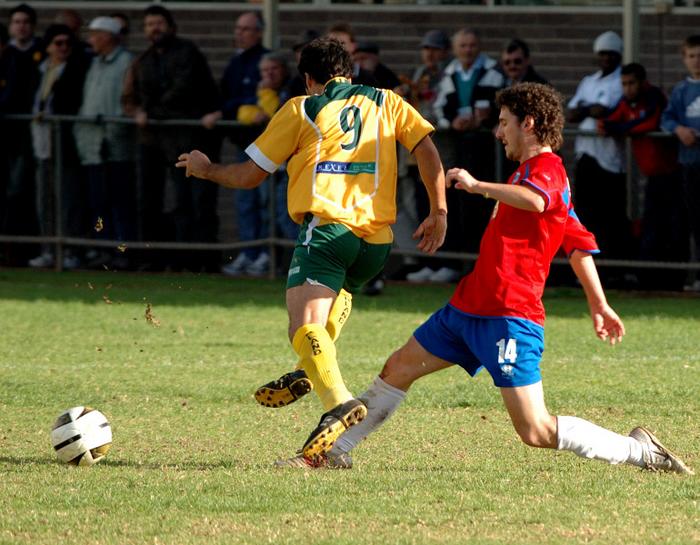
81	436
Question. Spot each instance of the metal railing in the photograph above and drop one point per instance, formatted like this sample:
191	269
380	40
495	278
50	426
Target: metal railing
60	241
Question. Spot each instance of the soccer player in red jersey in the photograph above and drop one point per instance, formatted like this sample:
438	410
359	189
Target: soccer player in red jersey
495	318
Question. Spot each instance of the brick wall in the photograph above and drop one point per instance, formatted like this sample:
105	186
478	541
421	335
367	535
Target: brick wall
560	42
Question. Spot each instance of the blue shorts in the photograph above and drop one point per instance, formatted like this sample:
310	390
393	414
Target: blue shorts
509	348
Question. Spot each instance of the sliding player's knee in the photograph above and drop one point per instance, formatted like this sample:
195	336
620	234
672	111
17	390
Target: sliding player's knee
399	370
540	433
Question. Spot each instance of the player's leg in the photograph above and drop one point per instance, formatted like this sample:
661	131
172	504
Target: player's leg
308	306
339	314
385	394
364	261
291	386
537	428
388	390
531	420
321	257
435	345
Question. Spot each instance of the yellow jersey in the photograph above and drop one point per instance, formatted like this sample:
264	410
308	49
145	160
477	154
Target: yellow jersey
341	148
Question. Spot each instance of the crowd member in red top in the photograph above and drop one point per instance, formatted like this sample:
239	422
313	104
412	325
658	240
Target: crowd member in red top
495	317
664	231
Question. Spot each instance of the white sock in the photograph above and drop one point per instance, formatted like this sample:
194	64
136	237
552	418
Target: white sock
587	440
382	400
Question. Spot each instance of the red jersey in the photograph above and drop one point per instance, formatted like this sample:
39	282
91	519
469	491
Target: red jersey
518	247
654	156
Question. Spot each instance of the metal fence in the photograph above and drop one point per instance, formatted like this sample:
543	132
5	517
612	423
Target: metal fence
59	241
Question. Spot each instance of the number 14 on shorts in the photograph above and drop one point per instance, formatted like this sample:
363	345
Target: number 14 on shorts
507	350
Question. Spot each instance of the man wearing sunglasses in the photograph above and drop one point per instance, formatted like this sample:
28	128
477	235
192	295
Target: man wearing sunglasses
515	63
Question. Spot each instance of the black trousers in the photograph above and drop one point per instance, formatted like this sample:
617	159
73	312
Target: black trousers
691	198
600	200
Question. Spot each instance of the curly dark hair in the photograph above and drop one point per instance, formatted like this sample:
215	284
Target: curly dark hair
325	58
543	103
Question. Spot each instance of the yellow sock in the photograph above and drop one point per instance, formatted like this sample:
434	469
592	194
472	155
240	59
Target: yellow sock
340	311
316	351
339	314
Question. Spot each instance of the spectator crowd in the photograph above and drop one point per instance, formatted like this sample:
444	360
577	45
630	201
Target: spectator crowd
117	180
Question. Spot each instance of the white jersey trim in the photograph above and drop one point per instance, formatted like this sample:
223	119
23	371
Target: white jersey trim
260	159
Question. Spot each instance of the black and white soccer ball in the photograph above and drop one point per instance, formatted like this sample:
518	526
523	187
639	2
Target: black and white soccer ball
81	436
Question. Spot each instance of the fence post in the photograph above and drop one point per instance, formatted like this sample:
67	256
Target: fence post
272	209
58	192
629	181
498	149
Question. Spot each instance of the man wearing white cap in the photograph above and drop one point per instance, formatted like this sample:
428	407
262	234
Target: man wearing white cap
106	149
600	192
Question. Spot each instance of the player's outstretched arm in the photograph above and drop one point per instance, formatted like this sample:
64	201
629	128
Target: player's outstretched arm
431	231
246	175
517	196
607	324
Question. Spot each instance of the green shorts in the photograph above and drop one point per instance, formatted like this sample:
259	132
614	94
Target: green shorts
331	255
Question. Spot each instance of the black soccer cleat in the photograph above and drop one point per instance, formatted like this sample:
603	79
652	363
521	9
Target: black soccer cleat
285	390
332	425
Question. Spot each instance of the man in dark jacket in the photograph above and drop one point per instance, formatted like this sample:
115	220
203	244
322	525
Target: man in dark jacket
516	65
664	229
239	87
19	74
59	92
172	80
367	56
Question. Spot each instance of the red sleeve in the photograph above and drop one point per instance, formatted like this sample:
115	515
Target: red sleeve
650	123
544	179
577	237
616	114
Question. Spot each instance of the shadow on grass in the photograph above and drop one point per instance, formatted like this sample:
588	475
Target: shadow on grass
28	460
190	465
187	289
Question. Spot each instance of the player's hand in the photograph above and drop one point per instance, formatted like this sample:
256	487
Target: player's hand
141	118
209	120
431	233
607	324
261	117
597	111
686	135
464	123
461	179
195	164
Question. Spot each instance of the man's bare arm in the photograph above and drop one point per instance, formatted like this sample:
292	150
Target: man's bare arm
431	173
518	196
246	175
607	324
431	231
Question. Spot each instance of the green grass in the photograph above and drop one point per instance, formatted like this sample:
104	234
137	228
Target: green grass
192	451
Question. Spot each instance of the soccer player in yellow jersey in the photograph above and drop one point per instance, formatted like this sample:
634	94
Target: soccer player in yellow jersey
340	142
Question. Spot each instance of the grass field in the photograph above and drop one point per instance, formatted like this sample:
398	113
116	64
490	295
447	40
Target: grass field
192	454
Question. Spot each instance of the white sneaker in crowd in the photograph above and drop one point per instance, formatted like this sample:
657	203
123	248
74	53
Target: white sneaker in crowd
422	275
260	266
71	262
445	274
41	261
238	266
693	286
